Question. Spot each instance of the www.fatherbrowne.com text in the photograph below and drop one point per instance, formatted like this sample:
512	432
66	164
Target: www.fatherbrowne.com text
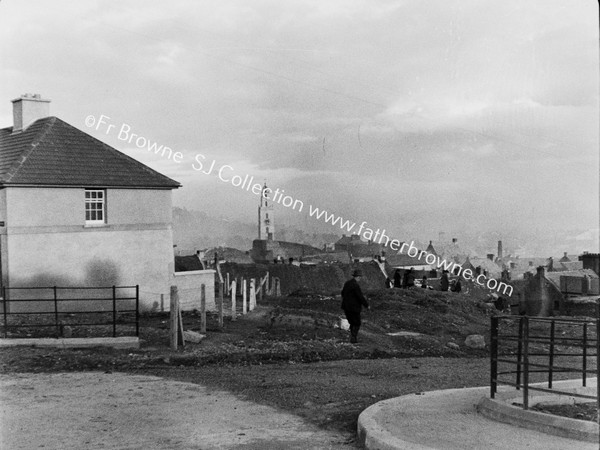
226	174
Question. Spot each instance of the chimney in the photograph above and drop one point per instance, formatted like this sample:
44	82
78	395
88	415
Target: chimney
565	254
490	256
454	240
499	249
27	109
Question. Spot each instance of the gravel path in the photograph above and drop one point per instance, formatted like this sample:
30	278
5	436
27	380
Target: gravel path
95	410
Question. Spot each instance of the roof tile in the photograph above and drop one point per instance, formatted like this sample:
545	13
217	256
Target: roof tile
52	152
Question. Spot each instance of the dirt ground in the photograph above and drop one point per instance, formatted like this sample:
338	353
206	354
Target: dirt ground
290	355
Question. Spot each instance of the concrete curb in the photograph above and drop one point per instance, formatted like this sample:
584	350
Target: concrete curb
502	410
125	342
455	419
373	436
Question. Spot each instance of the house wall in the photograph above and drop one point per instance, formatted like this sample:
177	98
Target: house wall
188	287
541	296
45	241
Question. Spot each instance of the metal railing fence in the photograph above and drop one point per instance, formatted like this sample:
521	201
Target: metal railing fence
58	307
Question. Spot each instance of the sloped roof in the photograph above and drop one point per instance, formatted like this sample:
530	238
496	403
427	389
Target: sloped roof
555	276
364	249
187	263
52	152
229	254
403	260
568	265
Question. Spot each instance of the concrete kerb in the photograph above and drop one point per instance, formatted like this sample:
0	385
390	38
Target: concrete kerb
504	408
431	420
373	435
124	342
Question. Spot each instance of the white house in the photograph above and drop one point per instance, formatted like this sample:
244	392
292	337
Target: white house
76	212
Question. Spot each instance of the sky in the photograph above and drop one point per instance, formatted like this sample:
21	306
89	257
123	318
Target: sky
418	117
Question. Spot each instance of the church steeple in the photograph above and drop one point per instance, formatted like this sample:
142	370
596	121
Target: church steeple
266	227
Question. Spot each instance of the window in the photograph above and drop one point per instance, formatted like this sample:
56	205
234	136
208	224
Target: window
95	204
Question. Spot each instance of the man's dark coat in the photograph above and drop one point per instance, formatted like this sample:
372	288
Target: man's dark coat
352	297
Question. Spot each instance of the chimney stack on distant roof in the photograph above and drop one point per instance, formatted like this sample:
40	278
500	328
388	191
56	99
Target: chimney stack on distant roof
499	249
454	240
490	256
27	109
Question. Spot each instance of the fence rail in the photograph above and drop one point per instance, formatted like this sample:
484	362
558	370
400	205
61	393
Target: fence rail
59	307
543	346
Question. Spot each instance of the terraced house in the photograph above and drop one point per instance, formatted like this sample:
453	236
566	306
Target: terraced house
76	212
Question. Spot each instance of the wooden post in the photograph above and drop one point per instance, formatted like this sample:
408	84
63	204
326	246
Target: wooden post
244	297
162	302
174	317
180	328
252	302
268	285
262	287
233	305
203	309
277	287
228	284
220	304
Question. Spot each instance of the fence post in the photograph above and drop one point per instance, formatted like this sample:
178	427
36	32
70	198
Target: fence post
228	285
137	310
244	297
233	305
174	317
493	356
525	362
520	351
220	305
551	356
252	294
5	311
114	301
584	353
162	302
277	287
58	334
203	309
268	284
598	359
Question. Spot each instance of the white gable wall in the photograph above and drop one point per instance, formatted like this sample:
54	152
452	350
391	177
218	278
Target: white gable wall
45	240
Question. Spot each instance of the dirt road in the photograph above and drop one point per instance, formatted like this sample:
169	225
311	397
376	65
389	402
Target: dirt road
95	410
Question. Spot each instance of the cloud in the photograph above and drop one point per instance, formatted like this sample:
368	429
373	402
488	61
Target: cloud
363	105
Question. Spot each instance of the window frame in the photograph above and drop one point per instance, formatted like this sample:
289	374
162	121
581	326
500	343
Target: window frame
96	197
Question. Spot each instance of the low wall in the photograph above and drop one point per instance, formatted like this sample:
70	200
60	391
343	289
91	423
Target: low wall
188	287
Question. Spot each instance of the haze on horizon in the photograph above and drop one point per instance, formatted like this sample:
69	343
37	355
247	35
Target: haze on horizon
417	117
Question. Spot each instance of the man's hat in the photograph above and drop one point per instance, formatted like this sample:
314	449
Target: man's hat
357	273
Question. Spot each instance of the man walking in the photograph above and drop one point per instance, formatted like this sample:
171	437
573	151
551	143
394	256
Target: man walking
352	302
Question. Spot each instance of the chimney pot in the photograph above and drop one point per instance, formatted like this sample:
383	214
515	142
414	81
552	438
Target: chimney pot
27	109
454	240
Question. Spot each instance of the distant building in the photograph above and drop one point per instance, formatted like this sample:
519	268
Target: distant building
268	251
266	225
76	212
565	258
591	261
